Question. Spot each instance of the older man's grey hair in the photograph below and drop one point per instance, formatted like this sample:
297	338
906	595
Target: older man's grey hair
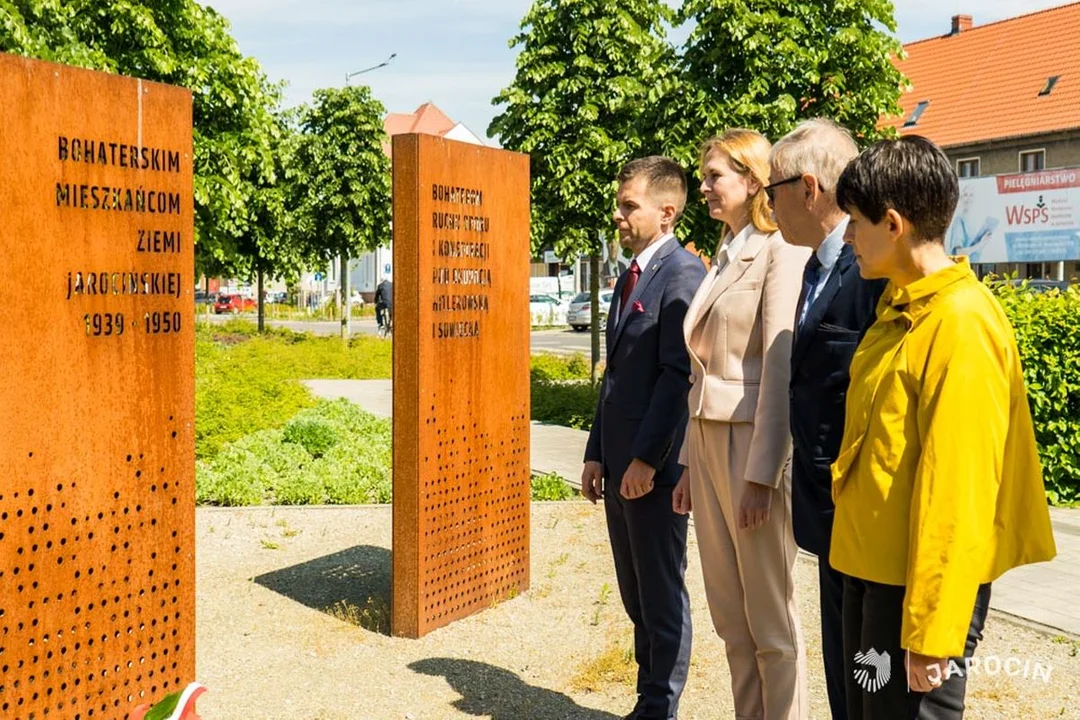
818	147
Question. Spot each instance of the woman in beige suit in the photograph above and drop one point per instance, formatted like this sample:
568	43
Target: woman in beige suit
738	332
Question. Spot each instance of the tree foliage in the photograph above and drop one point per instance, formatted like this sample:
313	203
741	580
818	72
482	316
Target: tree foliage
268	244
178	42
586	71
341	175
767	64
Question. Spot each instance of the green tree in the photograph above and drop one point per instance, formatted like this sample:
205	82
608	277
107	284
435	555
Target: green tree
341	176
269	247
586	71
766	65
178	42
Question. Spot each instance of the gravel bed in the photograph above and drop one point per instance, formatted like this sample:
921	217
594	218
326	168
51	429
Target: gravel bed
267	649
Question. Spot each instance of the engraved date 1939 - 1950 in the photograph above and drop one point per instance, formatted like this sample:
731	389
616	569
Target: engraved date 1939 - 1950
115	324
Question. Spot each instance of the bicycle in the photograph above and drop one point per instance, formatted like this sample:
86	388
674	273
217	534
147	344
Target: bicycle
386	328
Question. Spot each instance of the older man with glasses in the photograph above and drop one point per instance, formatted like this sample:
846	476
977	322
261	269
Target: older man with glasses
835	309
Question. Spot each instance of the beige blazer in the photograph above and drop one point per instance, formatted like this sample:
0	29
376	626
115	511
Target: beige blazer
744	314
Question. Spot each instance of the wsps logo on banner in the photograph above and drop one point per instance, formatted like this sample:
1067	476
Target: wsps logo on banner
1024	215
881	666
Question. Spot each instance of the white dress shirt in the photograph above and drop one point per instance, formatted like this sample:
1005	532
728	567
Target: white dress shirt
731	246
827	253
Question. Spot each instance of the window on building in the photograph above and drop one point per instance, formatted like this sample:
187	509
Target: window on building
968	167
1032	160
1049	87
913	119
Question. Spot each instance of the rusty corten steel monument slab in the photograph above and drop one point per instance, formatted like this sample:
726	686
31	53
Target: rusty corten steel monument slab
96	392
461	380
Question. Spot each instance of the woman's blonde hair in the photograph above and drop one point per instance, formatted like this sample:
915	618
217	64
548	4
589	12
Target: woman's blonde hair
748	151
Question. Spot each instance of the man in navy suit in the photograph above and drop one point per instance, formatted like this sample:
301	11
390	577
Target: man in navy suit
632	456
836	307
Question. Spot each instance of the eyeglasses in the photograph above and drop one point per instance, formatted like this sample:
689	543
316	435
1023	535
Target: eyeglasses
770	190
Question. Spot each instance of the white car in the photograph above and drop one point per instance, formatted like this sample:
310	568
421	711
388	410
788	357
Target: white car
579	316
547	310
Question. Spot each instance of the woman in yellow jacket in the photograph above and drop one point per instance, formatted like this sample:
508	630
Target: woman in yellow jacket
738	331
938	486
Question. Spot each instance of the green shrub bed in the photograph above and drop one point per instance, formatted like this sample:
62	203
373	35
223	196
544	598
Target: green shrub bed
333	453
561	391
1048	336
245	382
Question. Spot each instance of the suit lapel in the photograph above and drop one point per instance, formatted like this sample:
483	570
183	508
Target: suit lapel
727	277
820	307
609	330
821	304
647	275
698	302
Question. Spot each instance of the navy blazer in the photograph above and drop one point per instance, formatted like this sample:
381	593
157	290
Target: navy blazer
820	360
642	408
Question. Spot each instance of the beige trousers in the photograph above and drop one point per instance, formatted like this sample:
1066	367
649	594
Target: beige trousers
748	576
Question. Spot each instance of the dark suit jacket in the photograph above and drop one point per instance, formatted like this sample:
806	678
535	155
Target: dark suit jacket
384	294
820	359
642	409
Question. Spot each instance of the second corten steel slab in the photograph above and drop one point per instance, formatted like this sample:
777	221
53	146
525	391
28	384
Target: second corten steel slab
461	380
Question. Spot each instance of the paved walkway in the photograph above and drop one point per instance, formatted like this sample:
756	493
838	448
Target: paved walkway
1046	594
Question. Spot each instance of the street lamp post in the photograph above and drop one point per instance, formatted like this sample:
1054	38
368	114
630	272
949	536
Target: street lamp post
384	63
343	280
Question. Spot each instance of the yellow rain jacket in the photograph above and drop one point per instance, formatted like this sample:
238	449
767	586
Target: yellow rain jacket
938	485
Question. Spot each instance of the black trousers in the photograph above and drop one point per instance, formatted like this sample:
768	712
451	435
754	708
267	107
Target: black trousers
831	587
648	541
873	614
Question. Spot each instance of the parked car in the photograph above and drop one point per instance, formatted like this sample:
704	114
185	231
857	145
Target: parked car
547	310
579	316
1041	286
233	304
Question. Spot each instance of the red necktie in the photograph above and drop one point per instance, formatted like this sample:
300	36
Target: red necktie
631	281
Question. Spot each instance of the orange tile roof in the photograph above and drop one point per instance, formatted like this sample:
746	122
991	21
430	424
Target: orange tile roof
984	82
427	120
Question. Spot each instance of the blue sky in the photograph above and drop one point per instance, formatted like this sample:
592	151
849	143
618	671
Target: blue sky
454	52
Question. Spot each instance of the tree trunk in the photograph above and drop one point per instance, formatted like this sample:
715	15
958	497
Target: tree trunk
260	300
343	284
594	320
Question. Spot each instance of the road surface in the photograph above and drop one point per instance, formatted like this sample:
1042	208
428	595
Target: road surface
563	341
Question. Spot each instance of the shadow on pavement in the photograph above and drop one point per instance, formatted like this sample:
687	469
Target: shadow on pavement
487	690
353	585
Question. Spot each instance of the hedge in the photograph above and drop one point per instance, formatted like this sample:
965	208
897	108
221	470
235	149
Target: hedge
1048	336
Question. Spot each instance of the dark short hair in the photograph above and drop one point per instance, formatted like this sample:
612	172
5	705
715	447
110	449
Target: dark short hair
910	175
663	176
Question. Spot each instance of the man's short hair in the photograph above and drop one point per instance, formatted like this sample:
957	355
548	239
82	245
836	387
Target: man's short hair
818	147
911	176
663	178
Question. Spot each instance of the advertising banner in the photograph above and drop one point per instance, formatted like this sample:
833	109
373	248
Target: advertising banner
1029	217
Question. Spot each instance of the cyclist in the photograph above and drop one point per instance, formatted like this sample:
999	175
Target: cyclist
384	304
